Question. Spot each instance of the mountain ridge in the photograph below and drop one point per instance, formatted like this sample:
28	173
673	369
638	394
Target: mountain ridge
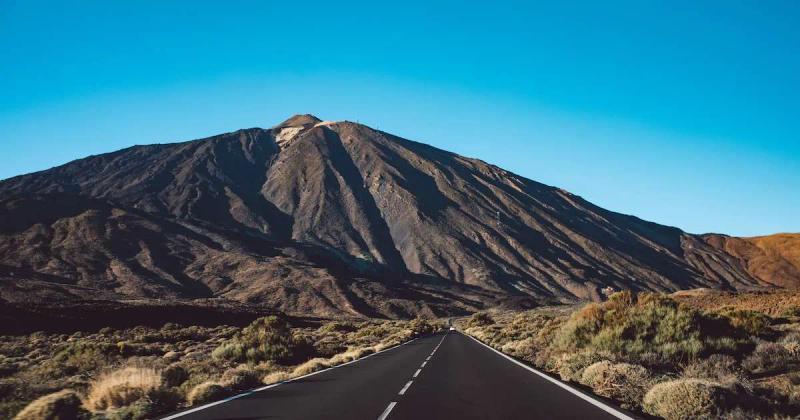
377	206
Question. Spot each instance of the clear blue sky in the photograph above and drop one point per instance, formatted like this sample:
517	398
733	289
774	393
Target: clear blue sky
684	113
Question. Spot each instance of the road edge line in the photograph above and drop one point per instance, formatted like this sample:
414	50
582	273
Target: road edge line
264	388
599	404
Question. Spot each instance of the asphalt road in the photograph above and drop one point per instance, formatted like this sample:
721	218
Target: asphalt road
444	376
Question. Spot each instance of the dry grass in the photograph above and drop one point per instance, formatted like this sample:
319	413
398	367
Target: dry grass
61	405
121	388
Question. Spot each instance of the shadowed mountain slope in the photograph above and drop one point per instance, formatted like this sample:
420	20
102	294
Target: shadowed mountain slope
335	217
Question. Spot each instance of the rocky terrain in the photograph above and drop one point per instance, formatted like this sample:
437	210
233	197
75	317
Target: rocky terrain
338	219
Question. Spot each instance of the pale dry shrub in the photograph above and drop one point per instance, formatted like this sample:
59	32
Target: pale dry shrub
275	377
720	368
122	387
310	366
682	399
624	382
206	392
350	355
570	366
61	405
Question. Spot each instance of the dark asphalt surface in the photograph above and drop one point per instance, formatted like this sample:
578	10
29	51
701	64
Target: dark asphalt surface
462	380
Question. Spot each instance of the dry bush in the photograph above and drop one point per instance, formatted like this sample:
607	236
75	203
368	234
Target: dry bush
122	387
479	319
570	366
207	392
61	405
241	378
275	377
310	366
350	355
682	399
174	375
768	357
721	368
624	382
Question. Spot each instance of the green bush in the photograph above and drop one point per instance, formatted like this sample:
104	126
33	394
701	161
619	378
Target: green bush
755	323
265	339
648	329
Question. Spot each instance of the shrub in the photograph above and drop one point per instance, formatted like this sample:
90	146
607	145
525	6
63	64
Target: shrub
267	338
479	319
275	377
621	381
337	326
122	387
62	405
349	355
720	368
206	392
647	328
174	375
310	366
686	399
420	326
241	378
570	366
767	357
755	323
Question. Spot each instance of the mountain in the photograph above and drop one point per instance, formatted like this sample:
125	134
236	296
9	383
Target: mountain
331	218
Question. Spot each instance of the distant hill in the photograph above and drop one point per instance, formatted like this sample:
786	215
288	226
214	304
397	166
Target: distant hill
336	218
773	259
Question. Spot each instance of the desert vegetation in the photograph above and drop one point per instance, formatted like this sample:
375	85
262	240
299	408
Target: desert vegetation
677	357
144	372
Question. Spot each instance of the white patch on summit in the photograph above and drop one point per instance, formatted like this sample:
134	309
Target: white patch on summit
286	135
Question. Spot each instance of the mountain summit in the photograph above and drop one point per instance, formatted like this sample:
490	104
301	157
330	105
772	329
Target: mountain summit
330	218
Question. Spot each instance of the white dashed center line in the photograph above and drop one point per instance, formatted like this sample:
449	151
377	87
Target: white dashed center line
387	411
405	388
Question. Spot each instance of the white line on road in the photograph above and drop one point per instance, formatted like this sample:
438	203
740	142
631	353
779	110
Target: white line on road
405	388
423	364
607	408
417	373
387	411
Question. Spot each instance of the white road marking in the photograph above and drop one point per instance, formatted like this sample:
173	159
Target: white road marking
264	388
387	411
605	407
423	364
405	388
417	373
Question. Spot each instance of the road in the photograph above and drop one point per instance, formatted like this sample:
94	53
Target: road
444	376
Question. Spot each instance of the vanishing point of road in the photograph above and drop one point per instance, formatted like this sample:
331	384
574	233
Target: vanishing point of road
443	376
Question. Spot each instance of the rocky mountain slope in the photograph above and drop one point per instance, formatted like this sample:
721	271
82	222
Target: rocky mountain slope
331	218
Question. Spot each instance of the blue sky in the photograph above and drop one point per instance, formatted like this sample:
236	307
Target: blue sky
683	113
